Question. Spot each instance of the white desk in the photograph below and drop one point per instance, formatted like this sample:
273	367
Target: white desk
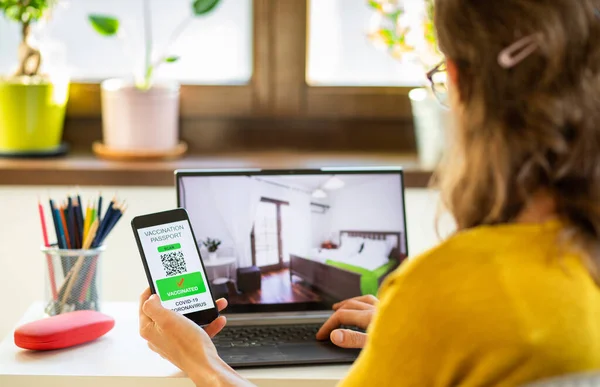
121	358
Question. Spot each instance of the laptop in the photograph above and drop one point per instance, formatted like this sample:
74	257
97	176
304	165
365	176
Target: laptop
282	246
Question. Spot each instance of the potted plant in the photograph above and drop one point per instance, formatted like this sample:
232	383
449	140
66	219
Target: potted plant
212	245
409	36
32	103
141	116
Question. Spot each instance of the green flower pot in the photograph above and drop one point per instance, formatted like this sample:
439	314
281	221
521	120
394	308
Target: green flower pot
32	114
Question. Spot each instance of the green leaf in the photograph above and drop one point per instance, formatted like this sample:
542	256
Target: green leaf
34	13
374	4
171	59
395	15
14	13
25	11
104	25
202	7
388	36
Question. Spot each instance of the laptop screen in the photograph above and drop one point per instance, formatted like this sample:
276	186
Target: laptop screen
295	240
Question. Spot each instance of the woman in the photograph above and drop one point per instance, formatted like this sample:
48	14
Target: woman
512	296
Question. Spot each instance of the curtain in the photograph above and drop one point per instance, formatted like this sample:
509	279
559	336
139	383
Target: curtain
236	199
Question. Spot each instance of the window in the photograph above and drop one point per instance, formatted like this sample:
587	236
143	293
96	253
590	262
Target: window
266	237
340	53
250	69
214	50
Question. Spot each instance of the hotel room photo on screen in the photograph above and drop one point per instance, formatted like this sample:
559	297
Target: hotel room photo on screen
297	238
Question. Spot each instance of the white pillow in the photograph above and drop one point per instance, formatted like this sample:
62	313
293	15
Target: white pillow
351	245
376	248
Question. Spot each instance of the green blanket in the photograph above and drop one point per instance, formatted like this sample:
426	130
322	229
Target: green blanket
369	279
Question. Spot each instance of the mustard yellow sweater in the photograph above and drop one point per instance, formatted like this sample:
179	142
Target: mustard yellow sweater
492	306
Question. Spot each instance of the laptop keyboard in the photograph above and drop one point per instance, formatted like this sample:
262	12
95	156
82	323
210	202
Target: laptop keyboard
266	335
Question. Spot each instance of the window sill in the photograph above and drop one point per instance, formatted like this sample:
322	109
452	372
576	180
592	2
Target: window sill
87	170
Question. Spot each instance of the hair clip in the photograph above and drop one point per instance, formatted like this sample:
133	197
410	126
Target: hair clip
518	51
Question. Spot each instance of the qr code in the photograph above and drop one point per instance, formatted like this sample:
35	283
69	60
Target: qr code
173	263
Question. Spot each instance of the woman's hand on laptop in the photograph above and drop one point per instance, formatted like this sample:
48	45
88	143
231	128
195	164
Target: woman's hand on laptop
358	312
185	344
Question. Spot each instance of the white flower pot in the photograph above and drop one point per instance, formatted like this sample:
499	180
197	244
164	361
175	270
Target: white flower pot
144	120
431	122
212	256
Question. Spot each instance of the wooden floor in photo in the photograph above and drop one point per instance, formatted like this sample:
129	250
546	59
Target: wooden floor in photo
278	288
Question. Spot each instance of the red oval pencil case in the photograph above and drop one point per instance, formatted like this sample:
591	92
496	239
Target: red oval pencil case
64	330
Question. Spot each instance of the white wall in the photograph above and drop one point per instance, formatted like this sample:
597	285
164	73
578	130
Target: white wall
372	205
320	228
204	214
123	276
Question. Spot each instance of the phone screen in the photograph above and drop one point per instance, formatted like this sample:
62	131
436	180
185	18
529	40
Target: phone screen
175	267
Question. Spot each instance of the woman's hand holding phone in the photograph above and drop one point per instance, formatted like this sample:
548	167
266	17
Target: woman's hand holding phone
185	344
358	312
173	265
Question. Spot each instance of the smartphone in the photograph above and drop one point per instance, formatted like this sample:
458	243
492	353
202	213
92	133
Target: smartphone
173	264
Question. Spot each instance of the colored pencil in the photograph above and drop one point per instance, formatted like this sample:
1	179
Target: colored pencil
69	219
65	230
55	223
80	219
48	257
99	213
68	236
63	223
75	219
43	222
72	223
62	240
88	221
104	223
59	224
60	234
79	200
113	221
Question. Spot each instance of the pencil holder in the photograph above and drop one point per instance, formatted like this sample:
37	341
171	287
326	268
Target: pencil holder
72	279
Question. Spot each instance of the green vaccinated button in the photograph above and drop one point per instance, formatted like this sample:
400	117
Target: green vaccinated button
174	246
180	286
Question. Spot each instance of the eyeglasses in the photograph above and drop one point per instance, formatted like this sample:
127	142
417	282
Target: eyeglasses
438	78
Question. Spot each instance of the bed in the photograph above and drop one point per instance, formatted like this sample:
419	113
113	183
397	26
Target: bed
340	275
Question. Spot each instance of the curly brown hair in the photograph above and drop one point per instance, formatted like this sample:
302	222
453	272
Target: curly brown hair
531	128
